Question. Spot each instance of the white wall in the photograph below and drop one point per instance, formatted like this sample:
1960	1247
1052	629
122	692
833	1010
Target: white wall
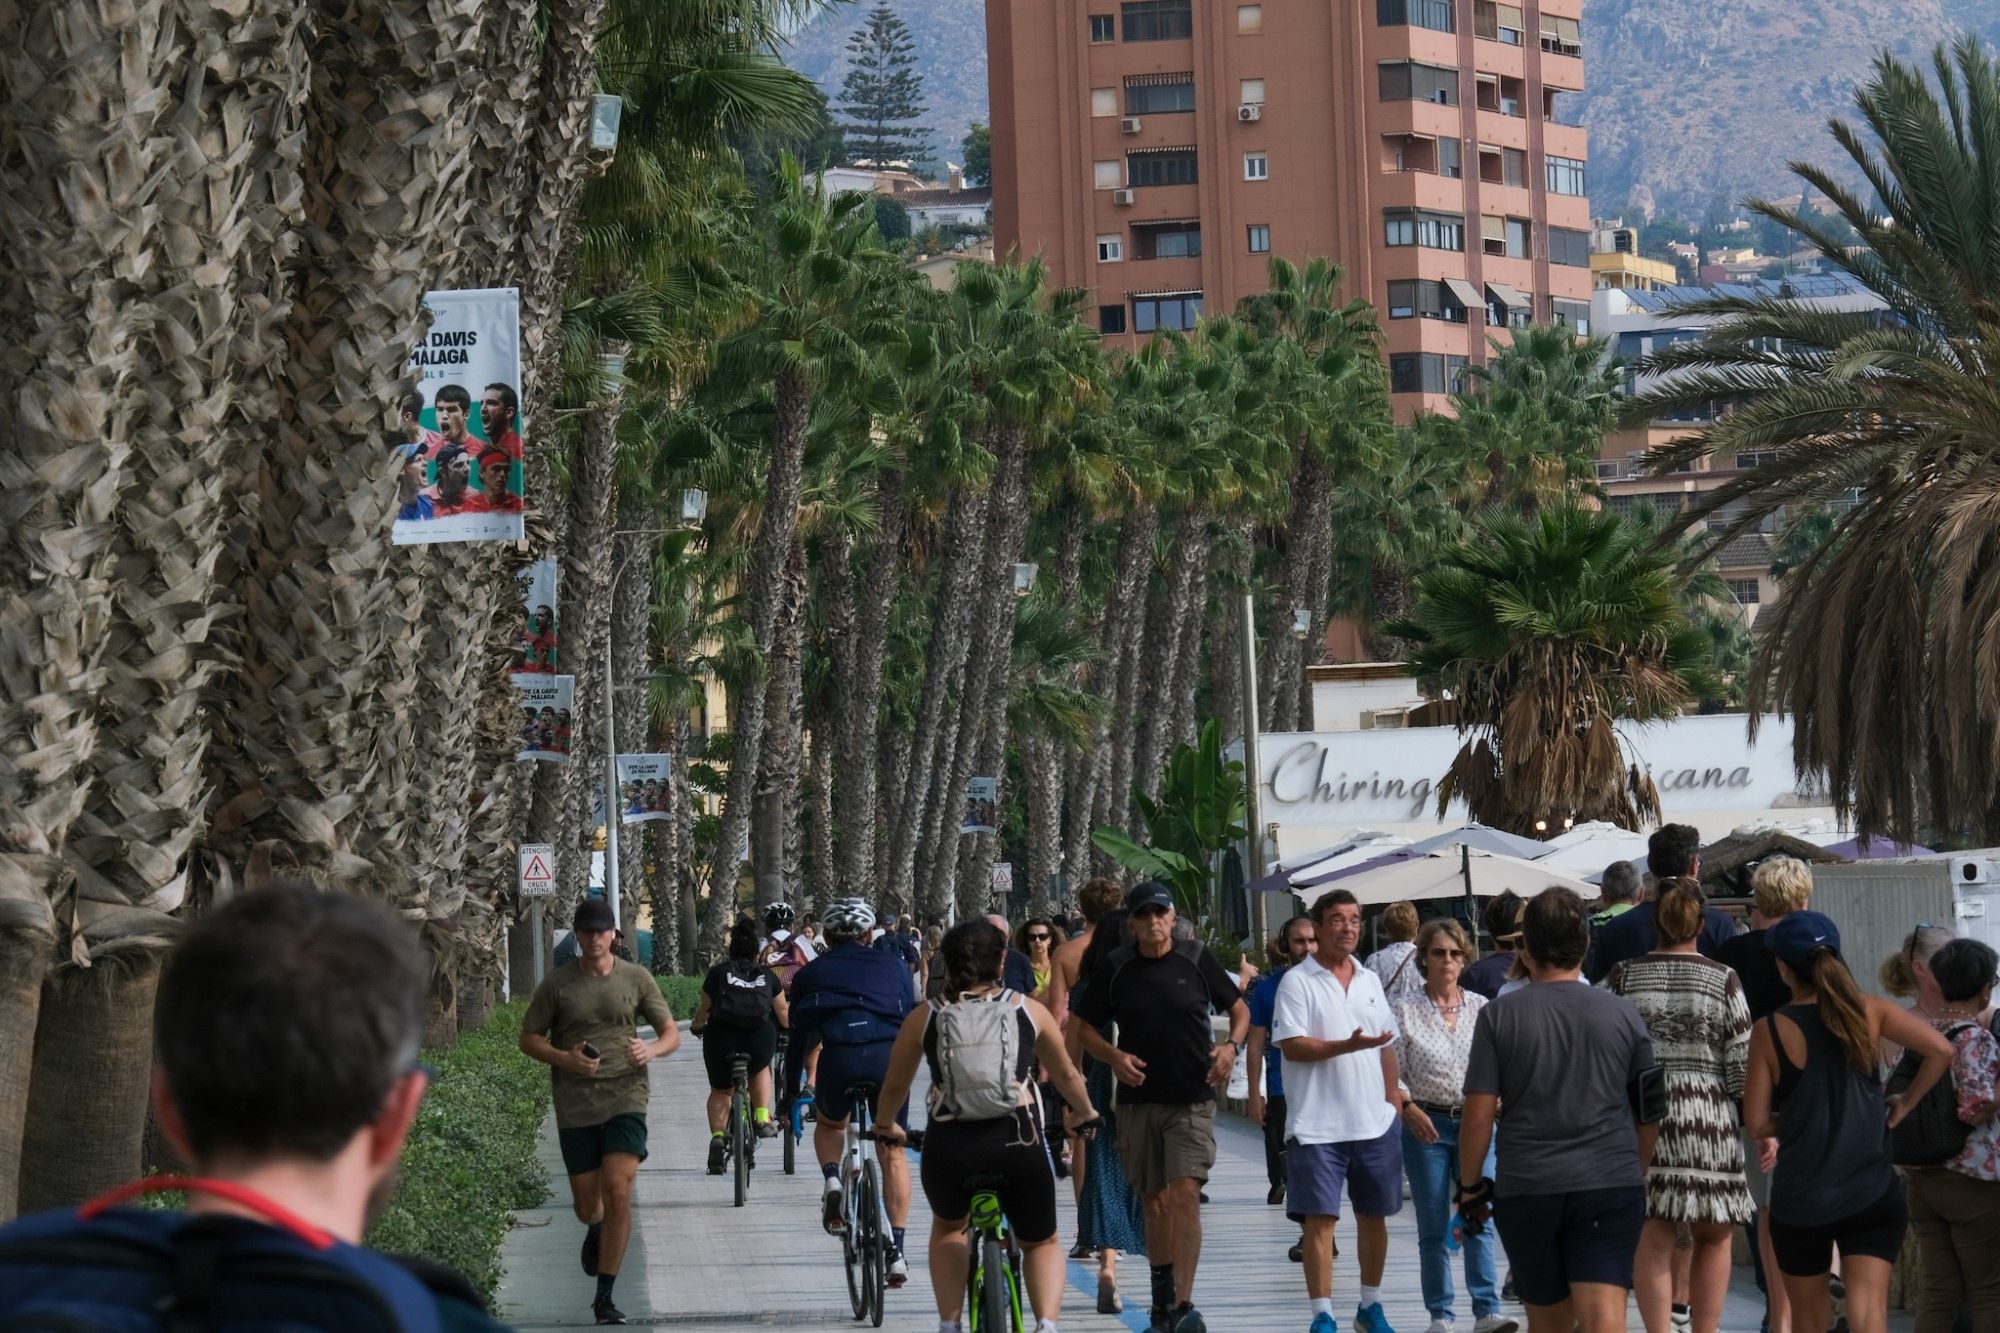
1337	705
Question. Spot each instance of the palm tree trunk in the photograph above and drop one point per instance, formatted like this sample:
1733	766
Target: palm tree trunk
1225	630
1091	802
26	947
858	699
1042	770
1181	695
631	650
1116	798
819	886
1171	622
764	584
1306	572
588	559
682	865
773	821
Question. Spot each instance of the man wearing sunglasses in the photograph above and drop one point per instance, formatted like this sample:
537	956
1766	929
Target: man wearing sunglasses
286	1028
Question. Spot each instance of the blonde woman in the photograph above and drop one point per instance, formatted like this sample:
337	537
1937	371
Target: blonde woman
1395	963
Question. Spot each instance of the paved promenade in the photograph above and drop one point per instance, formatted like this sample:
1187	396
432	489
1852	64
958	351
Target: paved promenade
697	1262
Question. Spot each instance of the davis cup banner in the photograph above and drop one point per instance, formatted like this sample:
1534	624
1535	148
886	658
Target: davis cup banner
538	638
643	783
460	460
546	717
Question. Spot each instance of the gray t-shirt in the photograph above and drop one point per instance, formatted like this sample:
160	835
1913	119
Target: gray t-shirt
1560	1058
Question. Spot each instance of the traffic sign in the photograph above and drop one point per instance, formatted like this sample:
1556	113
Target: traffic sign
538	870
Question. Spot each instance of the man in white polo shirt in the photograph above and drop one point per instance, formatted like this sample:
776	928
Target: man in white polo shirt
1333	1024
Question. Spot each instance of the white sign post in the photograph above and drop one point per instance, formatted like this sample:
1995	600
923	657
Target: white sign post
537	882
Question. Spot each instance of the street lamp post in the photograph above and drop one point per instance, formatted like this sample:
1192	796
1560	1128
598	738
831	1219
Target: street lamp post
1253	800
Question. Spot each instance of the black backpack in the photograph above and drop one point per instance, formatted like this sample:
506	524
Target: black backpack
746	999
1931	1134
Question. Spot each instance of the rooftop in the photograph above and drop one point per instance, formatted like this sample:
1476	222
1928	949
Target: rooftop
1818	286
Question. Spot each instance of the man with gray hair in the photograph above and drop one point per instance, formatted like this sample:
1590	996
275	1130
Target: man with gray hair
1620	890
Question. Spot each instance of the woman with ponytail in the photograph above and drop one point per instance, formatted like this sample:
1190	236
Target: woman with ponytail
1815	1086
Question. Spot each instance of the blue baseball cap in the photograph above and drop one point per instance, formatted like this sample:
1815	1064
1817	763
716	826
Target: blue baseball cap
1798	935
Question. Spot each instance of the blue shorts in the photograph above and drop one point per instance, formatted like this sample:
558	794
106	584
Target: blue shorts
1370	1169
840	1068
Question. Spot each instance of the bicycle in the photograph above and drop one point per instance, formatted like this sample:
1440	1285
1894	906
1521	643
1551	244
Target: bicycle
864	1232
798	1110
995	1285
736	1139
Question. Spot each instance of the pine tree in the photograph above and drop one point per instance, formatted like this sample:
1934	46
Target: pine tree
882	96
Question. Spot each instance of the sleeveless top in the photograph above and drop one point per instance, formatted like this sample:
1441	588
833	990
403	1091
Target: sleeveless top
1834	1157
1024	1060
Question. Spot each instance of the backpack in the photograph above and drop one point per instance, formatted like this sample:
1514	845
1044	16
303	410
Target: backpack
1931	1134
981	1068
746	997
101	1269
785	959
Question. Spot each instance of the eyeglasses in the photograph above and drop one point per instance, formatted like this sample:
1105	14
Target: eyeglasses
1148	913
1447	953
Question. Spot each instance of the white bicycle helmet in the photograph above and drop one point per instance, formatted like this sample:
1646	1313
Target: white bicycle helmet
778	916
847	918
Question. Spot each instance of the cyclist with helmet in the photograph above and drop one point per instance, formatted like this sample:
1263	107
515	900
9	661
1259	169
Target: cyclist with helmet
784	950
851	1002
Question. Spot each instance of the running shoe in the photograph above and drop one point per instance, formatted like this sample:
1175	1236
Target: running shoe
1441	1326
606	1312
1187	1319
718	1154
829	1209
899	1270
1080	1250
1494	1323
1323	1323
1683	1319
767	1129
1297	1254
1371	1319
1276	1196
591	1234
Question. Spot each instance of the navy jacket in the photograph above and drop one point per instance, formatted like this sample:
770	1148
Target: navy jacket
850	996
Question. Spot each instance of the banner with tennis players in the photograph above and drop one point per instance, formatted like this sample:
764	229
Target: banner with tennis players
643	783
537	637
546	717
458	455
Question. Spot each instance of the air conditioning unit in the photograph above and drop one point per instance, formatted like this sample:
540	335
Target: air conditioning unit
1971	870
1250	111
1130	125
1125	198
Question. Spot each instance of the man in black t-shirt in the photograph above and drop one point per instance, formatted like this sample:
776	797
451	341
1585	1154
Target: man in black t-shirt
1161	992
1673	851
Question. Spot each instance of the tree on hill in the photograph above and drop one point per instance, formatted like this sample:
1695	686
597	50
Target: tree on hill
978	149
882	97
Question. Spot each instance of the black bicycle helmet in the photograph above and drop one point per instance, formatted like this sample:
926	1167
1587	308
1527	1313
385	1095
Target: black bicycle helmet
778	916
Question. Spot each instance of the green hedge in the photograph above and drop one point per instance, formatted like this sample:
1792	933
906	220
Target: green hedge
470	1160
681	994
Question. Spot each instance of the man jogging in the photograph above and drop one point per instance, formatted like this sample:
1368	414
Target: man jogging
581	1024
1160	992
1333	1023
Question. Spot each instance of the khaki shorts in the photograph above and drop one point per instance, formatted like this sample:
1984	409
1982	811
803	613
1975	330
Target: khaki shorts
1161	1143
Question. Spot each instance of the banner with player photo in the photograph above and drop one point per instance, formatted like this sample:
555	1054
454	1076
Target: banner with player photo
643	783
458	456
537	637
546	717
982	806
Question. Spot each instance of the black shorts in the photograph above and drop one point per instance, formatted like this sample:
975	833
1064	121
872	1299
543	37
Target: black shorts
1876	1232
1555	1241
584	1147
990	1151
720	1046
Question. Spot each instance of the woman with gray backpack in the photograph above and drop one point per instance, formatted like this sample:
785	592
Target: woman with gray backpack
981	1042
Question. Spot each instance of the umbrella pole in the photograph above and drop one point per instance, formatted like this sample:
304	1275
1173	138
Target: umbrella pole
1465	869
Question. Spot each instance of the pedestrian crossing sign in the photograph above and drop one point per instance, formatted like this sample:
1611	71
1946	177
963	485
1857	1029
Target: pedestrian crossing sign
538	870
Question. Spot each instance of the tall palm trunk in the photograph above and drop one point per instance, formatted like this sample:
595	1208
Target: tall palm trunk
818	887
963	539
589	559
1171	622
631	649
774	822
764	584
1186	684
1041	769
1090	803
1116	798
858	697
1225	629
1302	583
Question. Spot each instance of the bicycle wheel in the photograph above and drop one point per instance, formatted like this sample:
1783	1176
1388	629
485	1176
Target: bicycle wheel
850	1253
876	1241
739	1146
790	1130
992	1313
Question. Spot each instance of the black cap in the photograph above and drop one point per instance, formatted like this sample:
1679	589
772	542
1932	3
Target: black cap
594	914
1150	894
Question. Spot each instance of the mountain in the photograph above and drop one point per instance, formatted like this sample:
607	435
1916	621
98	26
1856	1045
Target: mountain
1691	105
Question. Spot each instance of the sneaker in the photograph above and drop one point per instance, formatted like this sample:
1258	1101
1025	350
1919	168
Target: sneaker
606	1312
1276	1196
1159	1321
1507	1290
829	1209
1683	1319
899	1270
1108	1299
1297	1254
1187	1319
718	1154
1323	1323
1080	1250
1494	1323
591	1234
1371	1319
767	1129
1441	1326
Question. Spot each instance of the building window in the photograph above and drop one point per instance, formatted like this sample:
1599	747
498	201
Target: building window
1165	312
1407	81
1744	591
1571	315
1110	249
1432	14
1104	28
1496	22
1448	160
1561	37
1609	469
1260	238
1166	240
1565	176
1159	94
1251	90
1256	166
1517	239
1415	226
1426	372
1110	175
1111	319
1157	20
1103	101
1172	166
1570	247
1514	167
1756	458
1249	18
1423	298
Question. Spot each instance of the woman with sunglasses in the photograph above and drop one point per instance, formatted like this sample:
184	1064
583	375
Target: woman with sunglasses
1433	1047
1039	939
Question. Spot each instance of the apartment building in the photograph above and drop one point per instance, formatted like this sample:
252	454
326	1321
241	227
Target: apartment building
1639	322
1159	152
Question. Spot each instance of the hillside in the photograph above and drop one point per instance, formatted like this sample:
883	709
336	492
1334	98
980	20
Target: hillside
1691	106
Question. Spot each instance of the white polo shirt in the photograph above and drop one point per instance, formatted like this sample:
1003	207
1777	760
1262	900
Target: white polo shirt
1342	1100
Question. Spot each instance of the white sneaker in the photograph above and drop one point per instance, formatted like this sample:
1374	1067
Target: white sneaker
1683	1320
1442	1326
1495	1323
829	1206
899	1270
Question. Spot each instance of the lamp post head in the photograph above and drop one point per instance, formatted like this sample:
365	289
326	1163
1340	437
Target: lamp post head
1302	623
606	111
694	506
1024	578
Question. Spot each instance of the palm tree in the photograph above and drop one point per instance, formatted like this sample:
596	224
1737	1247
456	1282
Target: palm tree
1877	648
1548	630
1528	424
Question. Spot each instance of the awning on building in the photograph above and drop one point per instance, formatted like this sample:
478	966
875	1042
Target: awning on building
1156	80
1507	296
1492	228
1465	293
1141	152
1163	296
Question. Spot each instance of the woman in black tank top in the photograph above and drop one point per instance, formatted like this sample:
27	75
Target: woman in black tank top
1815	1086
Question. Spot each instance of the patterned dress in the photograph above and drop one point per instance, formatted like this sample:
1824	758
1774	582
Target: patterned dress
1700	1024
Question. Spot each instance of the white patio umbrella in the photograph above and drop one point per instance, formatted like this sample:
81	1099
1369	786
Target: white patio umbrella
1591	847
1456	872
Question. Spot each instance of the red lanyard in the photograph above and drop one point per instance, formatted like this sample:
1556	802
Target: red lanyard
277	1216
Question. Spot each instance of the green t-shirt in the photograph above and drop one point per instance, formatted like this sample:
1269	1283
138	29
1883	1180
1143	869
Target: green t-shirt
571	1007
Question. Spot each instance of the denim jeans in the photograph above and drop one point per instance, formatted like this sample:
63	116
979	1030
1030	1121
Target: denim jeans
1432	1168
